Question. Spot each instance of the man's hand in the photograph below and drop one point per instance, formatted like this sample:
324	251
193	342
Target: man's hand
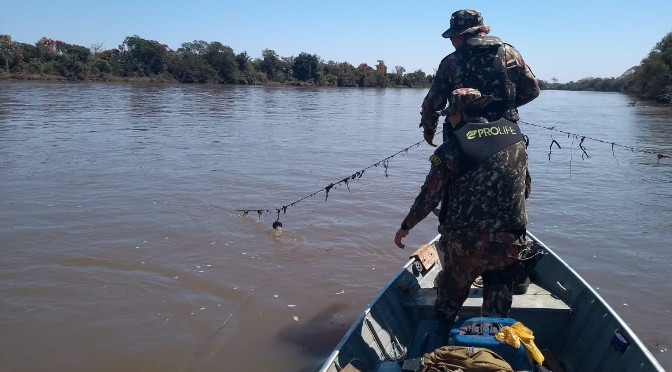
400	235
429	137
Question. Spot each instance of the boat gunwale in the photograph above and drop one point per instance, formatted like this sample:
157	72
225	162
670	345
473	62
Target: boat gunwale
360	319
622	324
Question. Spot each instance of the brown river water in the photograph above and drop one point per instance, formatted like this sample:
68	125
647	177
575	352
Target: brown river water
123	250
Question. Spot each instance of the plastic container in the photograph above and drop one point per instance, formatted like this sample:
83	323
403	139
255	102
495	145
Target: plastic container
481	331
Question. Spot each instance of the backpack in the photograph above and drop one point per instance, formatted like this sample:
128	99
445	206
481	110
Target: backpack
464	359
484	63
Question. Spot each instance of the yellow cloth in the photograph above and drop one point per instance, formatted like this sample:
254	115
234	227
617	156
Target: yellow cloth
518	333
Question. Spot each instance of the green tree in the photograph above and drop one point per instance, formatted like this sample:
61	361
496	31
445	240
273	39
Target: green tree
223	60
142	57
29	51
652	79
110	62
305	67
75	52
10	53
270	64
415	79
190	68
346	75
328	75
399	72
72	61
196	47
245	68
189	65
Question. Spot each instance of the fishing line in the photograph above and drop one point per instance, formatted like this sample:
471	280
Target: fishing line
581	138
385	164
571	158
345	181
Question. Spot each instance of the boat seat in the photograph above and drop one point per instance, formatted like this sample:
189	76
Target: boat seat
535	298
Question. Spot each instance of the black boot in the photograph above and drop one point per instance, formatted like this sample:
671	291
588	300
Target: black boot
521	283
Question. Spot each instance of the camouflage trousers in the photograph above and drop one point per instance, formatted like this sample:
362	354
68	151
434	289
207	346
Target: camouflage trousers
465	256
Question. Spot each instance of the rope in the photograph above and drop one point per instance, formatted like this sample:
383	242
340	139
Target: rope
582	138
345	181
385	163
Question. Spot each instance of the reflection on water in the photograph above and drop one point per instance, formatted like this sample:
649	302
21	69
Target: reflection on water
119	217
319	334
655	124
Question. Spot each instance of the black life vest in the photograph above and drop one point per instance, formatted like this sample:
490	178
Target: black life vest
488	193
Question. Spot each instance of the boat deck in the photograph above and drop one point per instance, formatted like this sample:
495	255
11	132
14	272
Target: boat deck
536	297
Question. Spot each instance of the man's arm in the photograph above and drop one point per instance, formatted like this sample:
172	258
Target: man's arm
434	101
437	97
527	86
429	197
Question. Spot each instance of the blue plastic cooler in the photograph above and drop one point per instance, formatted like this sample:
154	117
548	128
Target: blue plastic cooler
481	331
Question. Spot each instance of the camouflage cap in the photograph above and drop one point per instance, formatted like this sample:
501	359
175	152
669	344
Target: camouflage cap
466	99
466	21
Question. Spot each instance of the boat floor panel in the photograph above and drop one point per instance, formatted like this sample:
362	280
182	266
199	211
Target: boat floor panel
535	298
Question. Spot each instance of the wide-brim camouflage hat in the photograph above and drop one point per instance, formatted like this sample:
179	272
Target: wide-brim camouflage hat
467	99
466	21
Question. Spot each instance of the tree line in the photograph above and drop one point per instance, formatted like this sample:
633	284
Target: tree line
650	80
213	62
194	62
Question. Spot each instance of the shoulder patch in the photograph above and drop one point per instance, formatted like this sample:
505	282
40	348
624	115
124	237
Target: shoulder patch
435	160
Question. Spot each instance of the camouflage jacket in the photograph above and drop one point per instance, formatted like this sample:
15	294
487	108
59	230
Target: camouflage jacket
488	197
461	69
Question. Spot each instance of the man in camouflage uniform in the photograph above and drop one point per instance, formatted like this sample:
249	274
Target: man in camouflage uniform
482	62
479	175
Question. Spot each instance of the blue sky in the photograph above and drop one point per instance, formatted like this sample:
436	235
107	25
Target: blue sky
567	40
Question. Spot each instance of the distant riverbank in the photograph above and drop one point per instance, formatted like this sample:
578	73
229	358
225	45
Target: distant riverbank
154	79
46	77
